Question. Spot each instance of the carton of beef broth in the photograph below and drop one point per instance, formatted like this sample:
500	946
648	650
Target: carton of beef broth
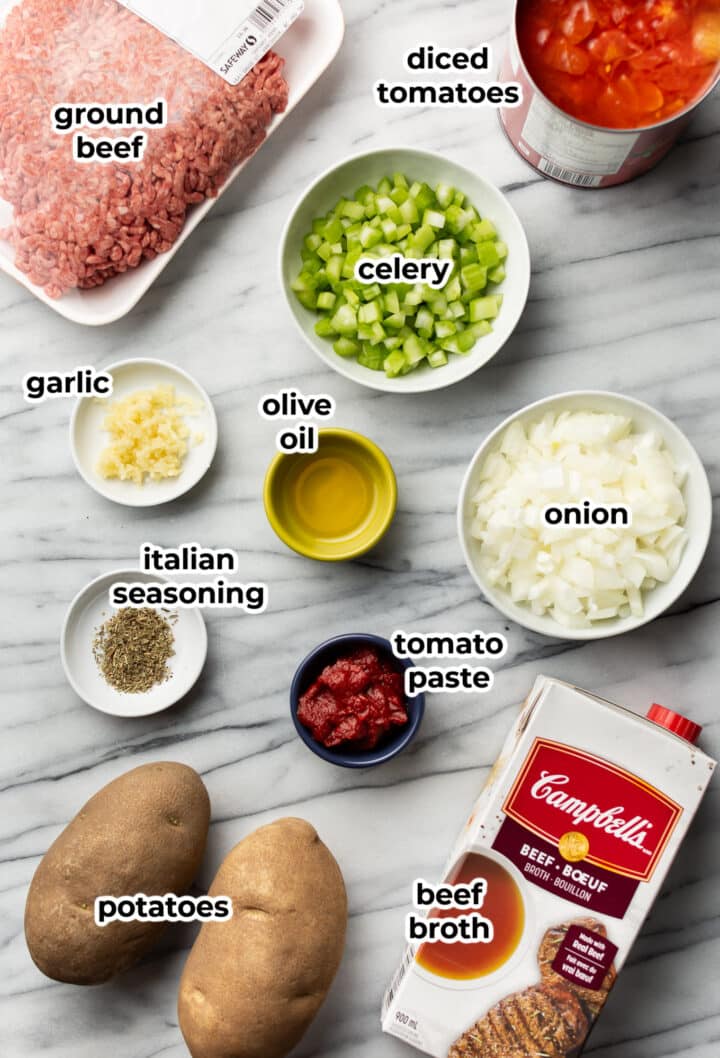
547	887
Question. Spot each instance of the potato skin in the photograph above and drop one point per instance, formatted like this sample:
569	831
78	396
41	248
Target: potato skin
145	832
252	985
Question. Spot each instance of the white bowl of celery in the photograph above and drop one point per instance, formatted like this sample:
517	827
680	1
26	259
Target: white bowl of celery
405	336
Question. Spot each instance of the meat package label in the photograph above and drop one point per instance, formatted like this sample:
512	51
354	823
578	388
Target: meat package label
228	37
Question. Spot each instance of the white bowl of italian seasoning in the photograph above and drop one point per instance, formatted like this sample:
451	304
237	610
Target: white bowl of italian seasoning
130	662
585	515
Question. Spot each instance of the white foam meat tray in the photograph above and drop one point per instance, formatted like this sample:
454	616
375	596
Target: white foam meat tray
308	47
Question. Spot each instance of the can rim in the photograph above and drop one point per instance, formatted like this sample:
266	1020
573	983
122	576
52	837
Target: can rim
686	112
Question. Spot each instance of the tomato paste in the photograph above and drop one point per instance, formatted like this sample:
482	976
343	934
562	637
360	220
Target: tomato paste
621	64
357	700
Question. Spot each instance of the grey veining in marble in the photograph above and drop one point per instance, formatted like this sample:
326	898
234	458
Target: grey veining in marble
624	296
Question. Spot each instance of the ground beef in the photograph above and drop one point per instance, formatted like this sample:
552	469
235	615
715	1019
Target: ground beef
77	225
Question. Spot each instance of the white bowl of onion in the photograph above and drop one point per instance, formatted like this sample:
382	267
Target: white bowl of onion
585	515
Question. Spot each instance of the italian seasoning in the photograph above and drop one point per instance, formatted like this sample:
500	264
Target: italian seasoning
133	648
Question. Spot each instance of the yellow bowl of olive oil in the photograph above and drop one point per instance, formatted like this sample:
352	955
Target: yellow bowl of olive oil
334	504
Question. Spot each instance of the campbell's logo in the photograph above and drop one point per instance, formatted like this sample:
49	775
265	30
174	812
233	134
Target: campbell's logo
626	821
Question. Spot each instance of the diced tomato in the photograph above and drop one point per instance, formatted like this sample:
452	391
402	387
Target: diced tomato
566	57
612	46
706	34
620	12
649	96
579	22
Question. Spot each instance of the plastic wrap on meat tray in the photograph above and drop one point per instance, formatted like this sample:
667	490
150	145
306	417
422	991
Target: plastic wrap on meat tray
78	224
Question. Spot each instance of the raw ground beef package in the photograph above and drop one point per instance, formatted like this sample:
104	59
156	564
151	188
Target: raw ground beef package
77	224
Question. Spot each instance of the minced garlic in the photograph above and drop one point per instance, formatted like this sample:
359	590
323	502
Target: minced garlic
149	436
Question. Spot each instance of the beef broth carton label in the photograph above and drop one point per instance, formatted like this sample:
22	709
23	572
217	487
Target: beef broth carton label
514	954
230	37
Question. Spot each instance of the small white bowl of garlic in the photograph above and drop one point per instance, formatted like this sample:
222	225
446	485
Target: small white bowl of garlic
585	515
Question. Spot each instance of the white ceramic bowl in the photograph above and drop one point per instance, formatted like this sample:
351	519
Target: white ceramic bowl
88	439
698	498
344	180
88	612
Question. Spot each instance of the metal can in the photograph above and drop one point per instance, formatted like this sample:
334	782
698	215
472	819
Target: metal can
572	151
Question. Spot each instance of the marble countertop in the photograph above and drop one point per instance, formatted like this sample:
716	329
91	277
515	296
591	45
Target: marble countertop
624	296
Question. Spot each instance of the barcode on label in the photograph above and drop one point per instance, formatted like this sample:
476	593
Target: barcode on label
265	14
569	176
397	980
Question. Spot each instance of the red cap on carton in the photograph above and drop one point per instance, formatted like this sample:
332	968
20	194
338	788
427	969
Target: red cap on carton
679	725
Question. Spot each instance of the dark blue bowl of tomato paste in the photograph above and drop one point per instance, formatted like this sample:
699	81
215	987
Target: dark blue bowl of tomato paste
341	674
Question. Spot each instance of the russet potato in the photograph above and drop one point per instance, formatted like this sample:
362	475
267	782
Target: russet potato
143	833
252	985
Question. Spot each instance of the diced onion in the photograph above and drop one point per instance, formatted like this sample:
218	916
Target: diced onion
579	574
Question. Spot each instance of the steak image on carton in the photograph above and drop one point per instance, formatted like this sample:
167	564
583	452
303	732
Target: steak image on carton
584	813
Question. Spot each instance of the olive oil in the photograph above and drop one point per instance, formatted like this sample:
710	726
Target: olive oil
332	494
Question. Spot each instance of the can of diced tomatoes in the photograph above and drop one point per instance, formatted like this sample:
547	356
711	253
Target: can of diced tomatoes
576	152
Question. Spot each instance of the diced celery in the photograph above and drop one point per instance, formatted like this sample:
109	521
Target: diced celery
353	210
424	196
439	304
312	241
447	249
423	237
466	341
425	322
453	289
326	300
445	194
303	283
482	230
308	299
395	322
409	212
481	329
474	278
497	275
433	218
351	259
324	328
445	328
372	292
352	297
347	347
502	249
400	180
377	333
370	357
413	350
394	363
334	268
415	296
345	321
389	229
370	313
437	358
333	230
488	255
483	308
391	301
384	187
